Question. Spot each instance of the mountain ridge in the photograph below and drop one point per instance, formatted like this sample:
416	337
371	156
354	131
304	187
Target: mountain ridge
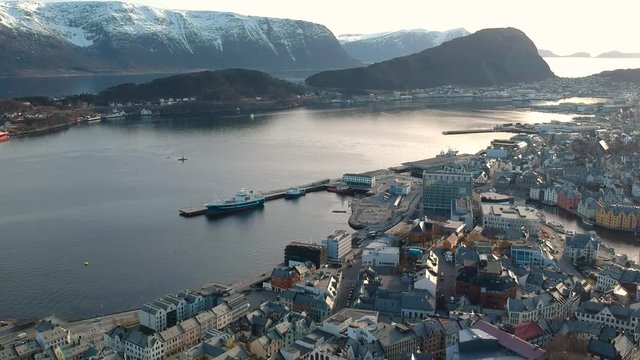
117	36
371	48
485	58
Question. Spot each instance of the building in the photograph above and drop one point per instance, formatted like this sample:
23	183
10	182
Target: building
619	317
582	248
303	252
52	337
283	277
359	180
396	340
380	255
618	217
400	187
613	274
441	189
525	254
510	218
557	303
135	342
338	247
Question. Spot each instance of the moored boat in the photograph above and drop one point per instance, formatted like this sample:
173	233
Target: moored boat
4	135
241	201
587	222
294	193
341	188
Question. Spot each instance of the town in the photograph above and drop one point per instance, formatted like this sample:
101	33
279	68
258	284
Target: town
452	259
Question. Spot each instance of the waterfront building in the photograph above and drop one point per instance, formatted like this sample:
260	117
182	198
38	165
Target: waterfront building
442	188
338	247
359	180
531	254
587	208
400	187
53	337
135	342
582	248
223	315
238	304
380	255
569	199
618	217
303	252
510	218
194	303
283	278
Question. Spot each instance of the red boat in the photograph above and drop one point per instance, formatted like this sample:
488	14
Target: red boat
341	188
4	136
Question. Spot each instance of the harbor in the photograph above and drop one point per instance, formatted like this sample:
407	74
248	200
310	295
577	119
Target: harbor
319	185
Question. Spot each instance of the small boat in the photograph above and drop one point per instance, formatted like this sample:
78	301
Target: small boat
339	211
183	159
251	116
587	222
294	193
4	135
86	263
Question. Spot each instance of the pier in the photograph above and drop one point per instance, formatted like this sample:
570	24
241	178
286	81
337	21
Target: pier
320	185
497	128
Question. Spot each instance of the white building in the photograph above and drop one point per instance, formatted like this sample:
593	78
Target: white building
153	316
558	303
524	254
223	315
338	247
134	344
426	279
378	254
54	337
582	248
616	316
359	180
551	195
400	187
510	217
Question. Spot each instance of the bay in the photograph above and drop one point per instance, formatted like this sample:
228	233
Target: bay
108	193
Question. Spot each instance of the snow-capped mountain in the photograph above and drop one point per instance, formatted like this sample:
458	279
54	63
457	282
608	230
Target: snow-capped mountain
116	36
372	48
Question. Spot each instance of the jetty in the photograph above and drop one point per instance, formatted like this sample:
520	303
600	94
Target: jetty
498	128
320	185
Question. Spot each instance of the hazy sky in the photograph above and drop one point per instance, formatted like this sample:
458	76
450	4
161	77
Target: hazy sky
563	26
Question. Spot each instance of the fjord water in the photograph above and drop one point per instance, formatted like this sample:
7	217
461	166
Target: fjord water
65	85
108	194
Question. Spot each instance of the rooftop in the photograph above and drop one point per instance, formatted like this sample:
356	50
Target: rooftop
511	212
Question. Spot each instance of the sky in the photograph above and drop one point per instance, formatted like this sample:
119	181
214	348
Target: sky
563	26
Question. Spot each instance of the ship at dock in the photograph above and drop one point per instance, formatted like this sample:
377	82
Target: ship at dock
294	193
241	201
341	188
4	136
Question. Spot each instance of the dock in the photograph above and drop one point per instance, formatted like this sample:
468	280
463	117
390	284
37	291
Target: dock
497	128
320	185
190	211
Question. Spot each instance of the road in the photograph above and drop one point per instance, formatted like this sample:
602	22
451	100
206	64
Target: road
446	286
347	283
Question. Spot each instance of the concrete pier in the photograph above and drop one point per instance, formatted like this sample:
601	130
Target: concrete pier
320	185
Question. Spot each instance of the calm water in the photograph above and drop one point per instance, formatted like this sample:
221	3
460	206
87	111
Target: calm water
108	193
65	85
579	67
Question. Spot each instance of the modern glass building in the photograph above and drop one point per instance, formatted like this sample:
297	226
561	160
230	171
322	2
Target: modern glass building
440	189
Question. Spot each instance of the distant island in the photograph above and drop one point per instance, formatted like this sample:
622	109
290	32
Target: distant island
547	53
485	58
618	54
580	54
